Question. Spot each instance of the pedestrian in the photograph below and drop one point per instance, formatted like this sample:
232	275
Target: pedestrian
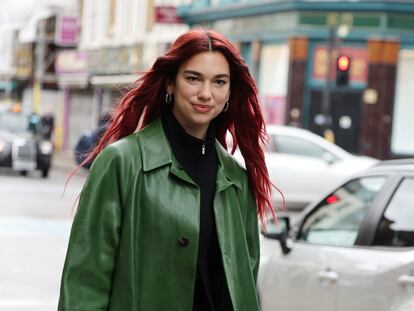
88	141
48	124
167	219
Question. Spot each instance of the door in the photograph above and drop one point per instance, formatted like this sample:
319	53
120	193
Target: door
292	282
345	110
383	271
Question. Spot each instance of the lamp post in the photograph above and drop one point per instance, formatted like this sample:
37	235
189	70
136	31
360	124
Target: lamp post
40	64
326	102
335	33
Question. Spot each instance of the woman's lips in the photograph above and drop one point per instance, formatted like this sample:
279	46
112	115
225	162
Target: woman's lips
202	108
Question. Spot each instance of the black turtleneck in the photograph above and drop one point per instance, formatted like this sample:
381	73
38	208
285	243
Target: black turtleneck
199	160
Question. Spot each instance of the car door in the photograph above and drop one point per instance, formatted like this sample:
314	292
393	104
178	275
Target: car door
383	270
292	282
305	278
300	168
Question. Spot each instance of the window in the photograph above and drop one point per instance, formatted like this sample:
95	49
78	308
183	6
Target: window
245	50
402	125
396	227
111	18
337	219
300	147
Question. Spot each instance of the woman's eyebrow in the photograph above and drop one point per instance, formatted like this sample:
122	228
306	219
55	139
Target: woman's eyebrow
222	75
199	74
196	73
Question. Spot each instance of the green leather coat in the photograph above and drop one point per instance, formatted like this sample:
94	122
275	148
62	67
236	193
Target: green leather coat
134	239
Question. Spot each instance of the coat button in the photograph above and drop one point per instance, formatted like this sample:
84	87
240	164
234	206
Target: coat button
183	241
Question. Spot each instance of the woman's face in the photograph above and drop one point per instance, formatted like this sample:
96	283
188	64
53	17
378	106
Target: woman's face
201	89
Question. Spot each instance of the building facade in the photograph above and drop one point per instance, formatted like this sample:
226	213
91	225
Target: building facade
122	39
77	60
16	66
292	47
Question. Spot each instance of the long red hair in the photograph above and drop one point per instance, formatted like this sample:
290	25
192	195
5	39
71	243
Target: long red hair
146	102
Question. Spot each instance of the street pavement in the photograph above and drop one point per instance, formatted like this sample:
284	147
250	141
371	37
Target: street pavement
35	220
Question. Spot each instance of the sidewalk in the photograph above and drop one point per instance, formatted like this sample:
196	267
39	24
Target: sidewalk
63	161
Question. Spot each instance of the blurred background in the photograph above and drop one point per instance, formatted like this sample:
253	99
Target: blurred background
342	71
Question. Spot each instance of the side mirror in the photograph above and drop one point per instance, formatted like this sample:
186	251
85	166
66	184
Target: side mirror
278	231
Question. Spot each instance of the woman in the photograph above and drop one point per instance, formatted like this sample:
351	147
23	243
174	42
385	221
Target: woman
167	219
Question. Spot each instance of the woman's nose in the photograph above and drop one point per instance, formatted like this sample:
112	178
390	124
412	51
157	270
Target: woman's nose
205	92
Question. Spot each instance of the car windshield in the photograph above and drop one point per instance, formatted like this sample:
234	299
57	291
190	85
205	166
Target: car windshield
337	219
298	146
17	123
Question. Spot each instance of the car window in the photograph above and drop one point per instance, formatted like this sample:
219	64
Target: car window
19	123
298	146
396	227
337	219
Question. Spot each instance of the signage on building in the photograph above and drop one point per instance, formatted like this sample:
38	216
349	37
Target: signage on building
165	14
71	61
71	67
67	30
358	71
119	60
24	61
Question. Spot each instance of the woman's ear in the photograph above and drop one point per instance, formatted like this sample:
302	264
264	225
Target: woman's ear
170	87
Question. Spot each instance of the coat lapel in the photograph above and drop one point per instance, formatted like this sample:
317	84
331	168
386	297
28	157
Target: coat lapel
156	152
226	172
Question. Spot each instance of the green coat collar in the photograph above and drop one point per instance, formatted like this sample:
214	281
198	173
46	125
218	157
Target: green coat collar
156	152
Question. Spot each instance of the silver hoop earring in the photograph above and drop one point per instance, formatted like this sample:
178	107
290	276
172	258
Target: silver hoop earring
226	106
168	99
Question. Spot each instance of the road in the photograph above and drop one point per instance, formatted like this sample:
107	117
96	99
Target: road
35	222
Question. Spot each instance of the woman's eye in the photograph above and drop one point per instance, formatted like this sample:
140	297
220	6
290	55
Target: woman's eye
221	82
192	78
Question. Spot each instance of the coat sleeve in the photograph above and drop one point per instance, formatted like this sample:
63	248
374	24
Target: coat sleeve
252	229
90	259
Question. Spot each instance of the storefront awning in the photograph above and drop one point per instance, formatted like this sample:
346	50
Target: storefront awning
108	80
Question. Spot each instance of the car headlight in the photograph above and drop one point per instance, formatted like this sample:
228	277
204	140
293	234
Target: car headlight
46	147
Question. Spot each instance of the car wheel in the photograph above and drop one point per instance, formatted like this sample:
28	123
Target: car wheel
45	172
23	173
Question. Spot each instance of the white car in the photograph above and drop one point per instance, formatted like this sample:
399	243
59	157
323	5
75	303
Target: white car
304	165
351	250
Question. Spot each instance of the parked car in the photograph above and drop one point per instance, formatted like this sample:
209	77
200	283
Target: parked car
351	250
22	147
304	165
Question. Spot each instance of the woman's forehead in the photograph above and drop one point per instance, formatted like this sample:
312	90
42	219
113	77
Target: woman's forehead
207	63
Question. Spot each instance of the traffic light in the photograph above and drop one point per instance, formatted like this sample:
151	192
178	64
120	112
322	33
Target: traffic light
343	64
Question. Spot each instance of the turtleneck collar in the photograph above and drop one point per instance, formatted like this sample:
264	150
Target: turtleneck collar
187	143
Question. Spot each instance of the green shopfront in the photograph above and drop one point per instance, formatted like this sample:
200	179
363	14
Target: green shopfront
292	48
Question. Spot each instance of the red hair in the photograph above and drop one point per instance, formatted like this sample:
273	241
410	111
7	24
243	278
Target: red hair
146	102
